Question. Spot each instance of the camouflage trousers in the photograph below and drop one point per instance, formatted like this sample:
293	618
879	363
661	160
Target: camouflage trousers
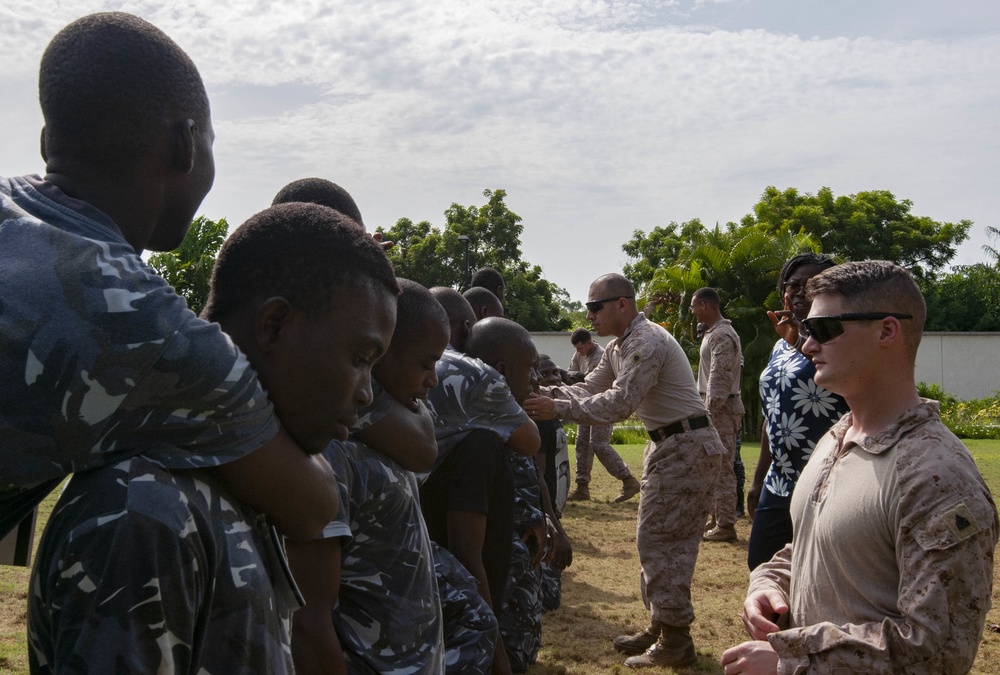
596	440
520	617
470	627
551	588
673	504
723	506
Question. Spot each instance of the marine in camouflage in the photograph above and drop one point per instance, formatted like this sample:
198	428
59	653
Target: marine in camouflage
910	590
147	570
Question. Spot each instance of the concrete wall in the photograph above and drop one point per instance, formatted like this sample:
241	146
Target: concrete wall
965	364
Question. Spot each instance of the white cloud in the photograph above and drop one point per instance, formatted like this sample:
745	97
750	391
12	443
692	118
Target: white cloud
597	117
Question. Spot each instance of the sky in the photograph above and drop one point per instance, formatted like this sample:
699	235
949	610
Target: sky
598	118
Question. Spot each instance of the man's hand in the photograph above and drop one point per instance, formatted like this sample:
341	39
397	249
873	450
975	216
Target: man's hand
761	611
386	245
539	407
753	496
750	658
537	531
785	325
560	553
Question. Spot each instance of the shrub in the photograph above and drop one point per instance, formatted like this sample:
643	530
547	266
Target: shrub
977	418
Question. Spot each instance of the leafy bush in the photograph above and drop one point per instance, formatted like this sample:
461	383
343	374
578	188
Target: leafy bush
978	418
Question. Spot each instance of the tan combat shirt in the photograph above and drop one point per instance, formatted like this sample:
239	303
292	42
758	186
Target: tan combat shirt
720	367
890	569
581	365
646	372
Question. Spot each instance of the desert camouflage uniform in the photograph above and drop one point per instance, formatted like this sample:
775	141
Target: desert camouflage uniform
388	613
647	372
520	617
101	360
719	372
470	627
595	439
146	570
893	553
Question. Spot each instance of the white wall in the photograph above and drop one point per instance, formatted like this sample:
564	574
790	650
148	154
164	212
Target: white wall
965	364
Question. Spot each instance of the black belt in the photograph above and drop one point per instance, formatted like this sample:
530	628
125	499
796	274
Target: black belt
690	424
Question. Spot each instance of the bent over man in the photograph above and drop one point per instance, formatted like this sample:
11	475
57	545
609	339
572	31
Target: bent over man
645	370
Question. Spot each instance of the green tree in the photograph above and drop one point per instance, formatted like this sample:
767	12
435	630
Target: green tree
967	299
742	262
863	226
435	257
188	268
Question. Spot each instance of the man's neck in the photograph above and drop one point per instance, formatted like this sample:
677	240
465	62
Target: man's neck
879	407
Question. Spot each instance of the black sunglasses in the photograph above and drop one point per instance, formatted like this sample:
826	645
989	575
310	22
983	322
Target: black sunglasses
596	305
822	329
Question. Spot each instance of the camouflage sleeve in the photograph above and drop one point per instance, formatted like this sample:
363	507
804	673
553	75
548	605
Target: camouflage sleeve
606	398
376	410
343	467
491	405
946	574
725	363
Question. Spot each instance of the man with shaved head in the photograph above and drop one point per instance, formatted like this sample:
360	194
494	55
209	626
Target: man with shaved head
484	302
645	371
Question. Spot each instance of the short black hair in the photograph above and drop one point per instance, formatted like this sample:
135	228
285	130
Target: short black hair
495	339
455	304
301	252
802	260
483	297
109	84
580	335
319	191
414	307
707	294
488	278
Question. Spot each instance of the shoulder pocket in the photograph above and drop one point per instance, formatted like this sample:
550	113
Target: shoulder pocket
955	521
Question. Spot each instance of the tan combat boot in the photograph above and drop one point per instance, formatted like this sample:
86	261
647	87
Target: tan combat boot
630	488
720	533
674	649
633	645
580	494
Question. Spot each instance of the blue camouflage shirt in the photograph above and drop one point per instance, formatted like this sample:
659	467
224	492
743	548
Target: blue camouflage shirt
149	570
101	360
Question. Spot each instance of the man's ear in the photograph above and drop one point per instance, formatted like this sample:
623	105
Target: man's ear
892	332
501	367
41	146
270	320
182	146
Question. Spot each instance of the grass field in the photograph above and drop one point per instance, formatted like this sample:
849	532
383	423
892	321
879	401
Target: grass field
601	590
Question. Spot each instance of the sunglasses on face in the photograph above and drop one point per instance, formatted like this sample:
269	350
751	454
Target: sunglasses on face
595	306
793	287
822	329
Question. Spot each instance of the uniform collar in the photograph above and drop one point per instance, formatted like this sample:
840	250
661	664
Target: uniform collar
925	411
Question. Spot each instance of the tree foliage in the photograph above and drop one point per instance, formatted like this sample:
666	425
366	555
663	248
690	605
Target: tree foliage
436	257
188	268
870	225
967	299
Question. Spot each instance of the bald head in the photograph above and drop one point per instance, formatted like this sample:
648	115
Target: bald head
483	302
461	317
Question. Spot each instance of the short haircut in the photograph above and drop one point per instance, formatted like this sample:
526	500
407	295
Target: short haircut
483	297
320	191
304	253
615	285
709	295
455	304
496	339
414	308
488	278
820	260
875	286
109	84
580	336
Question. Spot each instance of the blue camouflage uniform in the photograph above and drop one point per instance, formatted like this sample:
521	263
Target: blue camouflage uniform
520	617
144	570
101	360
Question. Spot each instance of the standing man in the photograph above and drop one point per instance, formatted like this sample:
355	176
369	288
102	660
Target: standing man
594	439
645	371
719	372
890	569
